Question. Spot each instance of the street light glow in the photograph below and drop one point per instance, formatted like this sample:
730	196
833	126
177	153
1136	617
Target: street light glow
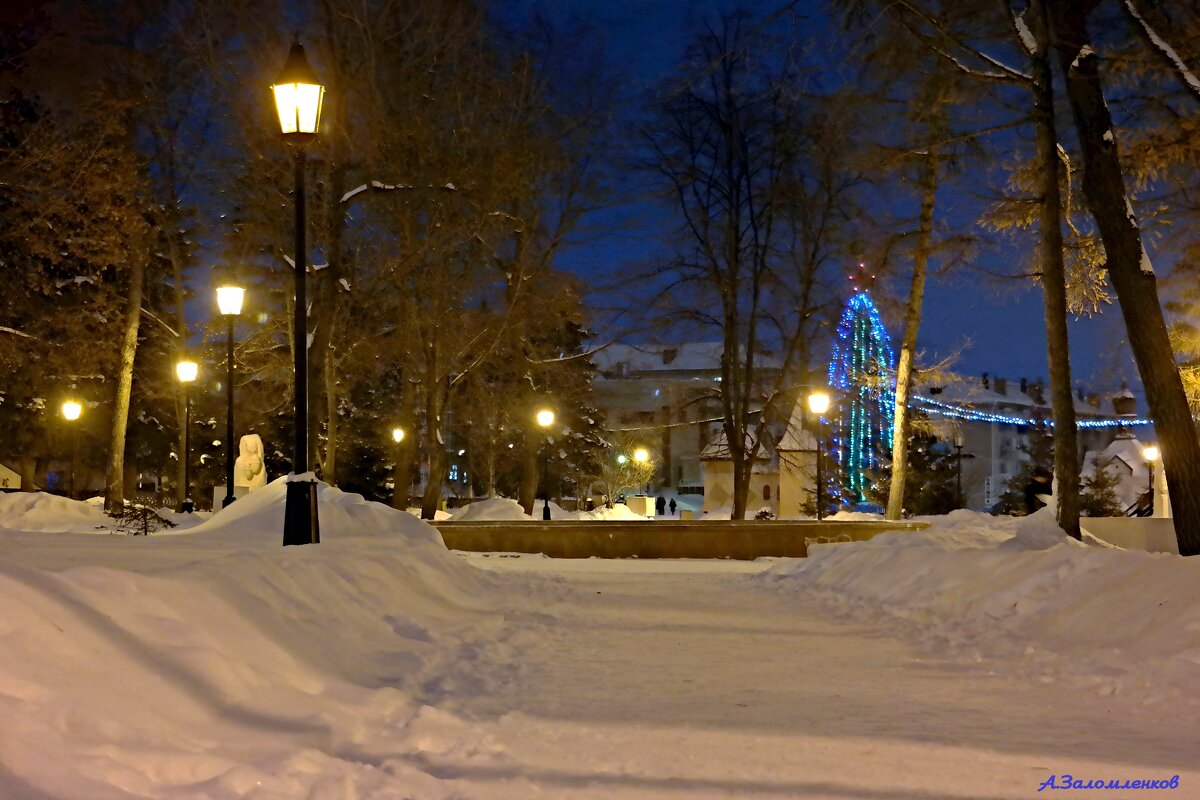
641	455
71	410
1150	453
545	418
818	402
397	435
187	371
229	300
621	459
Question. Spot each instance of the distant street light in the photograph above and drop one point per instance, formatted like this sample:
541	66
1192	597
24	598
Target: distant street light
187	371
959	442
818	404
545	418
621	459
229	302
71	410
298	99
641	455
1150	453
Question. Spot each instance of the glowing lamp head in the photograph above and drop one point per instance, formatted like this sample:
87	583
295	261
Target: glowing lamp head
1150	453
187	371
545	418
641	455
621	459
71	410
229	299
298	96
818	402
397	435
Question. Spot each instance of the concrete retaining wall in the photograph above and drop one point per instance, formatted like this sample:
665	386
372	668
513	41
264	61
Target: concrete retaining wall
745	540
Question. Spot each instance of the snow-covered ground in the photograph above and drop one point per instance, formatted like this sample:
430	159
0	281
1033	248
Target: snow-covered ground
974	660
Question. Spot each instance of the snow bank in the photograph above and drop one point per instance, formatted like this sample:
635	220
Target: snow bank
341	515
494	508
38	511
619	512
1002	586
220	664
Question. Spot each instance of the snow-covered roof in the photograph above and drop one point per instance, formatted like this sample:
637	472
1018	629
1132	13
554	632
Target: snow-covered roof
795	438
718	447
630	359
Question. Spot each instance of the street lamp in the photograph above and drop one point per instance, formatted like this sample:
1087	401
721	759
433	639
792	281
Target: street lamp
229	302
641	455
399	486
959	441
545	418
71	409
1150	453
818	404
298	98
186	371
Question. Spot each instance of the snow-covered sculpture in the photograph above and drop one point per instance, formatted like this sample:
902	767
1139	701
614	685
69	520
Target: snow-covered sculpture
249	469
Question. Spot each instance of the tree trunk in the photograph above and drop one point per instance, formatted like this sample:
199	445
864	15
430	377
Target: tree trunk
435	446
329	467
114	490
908	347
529	470
170	224
1136	288
1054	285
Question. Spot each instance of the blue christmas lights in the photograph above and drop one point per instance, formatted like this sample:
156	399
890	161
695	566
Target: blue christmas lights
863	369
938	408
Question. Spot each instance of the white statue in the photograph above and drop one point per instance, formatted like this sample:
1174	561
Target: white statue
249	469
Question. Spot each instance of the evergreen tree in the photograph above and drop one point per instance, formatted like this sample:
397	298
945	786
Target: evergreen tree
1039	455
1098	493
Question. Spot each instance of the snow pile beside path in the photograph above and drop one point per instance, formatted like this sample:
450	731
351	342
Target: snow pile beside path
494	508
341	514
38	511
1000	586
219	664
619	512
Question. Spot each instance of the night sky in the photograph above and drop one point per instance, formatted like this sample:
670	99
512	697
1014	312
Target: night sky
1001	318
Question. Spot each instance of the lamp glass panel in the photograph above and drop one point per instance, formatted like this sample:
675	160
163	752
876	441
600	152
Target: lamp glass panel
229	299
71	410
397	435
545	418
299	106
187	371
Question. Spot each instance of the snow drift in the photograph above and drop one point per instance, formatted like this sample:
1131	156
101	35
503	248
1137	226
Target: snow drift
998	586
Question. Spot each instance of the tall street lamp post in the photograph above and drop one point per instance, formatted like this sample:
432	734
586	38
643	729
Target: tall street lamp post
818	404
399	482
1151	455
186	371
71	410
229	302
545	418
298	98
959	442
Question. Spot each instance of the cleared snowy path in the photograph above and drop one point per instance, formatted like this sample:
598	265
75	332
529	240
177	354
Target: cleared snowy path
686	679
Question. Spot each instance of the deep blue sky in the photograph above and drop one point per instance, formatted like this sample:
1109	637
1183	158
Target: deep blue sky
1002	320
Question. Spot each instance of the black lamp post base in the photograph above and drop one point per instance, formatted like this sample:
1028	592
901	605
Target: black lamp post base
546	511
300	523
228	499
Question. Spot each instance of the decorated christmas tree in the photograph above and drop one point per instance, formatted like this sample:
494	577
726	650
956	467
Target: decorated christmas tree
863	370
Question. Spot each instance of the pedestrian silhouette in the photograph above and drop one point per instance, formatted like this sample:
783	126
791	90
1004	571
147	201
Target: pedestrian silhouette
673	506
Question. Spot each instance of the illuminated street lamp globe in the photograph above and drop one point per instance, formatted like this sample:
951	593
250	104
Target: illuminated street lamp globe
397	435
621	458
641	455
1150	453
818	402
187	371
298	96
71	410
545	418
229	299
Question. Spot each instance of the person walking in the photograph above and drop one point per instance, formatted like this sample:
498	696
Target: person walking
673	506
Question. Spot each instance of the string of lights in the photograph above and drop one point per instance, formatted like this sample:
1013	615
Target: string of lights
941	409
